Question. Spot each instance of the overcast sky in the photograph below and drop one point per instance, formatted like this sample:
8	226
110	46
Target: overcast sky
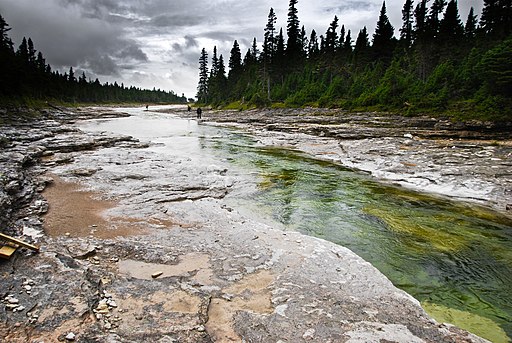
157	43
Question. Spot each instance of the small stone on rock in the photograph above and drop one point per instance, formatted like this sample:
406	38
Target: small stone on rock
155	275
70	336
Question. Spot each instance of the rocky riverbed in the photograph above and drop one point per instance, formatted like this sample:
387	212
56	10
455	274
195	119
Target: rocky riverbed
174	263
471	161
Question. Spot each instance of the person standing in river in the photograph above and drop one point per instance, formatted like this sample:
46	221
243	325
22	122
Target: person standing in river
199	112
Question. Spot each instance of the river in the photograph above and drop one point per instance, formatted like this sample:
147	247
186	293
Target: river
454	257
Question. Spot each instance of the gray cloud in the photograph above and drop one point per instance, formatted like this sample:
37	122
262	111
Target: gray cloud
118	38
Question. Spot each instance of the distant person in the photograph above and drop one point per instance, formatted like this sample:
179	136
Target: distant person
189	108
199	112
147	107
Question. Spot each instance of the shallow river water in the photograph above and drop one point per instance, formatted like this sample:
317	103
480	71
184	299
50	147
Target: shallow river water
454	257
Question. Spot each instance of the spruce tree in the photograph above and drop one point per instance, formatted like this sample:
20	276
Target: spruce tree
383	44
313	47
407	23
471	24
235	61
331	36
202	87
269	40
433	20
293	30
451	29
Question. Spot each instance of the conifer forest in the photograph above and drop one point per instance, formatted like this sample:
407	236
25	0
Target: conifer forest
439	63
25	76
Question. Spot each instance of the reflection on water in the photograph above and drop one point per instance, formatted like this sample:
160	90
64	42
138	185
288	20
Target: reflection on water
455	258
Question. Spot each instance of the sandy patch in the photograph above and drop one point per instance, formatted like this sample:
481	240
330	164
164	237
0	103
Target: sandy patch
80	213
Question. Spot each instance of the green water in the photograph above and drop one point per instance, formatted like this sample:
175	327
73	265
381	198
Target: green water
454	257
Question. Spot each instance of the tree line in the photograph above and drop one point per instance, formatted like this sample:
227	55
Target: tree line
437	64
24	75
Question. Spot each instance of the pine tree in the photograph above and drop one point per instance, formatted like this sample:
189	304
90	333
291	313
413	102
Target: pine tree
254	50
347	45
331	37
71	75
407	22
31	52
420	22
22	52
496	18
471	24
433	21
269	40
451	29
202	87
293	44
215	64
313	47
361	48
383	43
235	61
5	41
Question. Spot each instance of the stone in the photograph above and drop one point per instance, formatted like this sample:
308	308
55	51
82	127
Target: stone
70	336
309	334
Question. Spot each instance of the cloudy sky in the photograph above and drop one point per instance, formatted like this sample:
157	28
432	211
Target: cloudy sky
157	43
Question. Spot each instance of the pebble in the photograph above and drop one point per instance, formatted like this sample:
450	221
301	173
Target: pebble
309	334
71	336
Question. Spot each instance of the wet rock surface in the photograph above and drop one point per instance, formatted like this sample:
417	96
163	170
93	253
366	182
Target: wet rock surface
471	161
199	271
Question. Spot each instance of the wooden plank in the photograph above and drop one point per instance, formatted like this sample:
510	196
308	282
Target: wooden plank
6	251
19	242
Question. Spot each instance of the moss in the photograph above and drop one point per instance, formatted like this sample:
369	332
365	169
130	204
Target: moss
479	325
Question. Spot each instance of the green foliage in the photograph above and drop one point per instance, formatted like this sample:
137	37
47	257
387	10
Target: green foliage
438	65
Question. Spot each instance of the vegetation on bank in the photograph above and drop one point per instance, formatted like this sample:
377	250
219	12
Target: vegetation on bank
438	64
26	78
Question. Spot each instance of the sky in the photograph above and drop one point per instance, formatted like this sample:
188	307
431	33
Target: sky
157	43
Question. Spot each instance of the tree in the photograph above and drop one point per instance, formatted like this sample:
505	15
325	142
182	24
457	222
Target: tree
451	30
313	47
71	75
269	40
433	21
420	22
331	37
407	22
22	52
5	41
293	44
496	18
254	50
215	64
471	24
361	47
31	52
202	87
235	61
383	37
347	46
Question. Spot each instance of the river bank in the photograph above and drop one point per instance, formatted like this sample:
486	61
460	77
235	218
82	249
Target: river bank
186	267
470	161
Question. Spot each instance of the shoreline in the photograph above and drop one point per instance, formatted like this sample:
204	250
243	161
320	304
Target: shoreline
224	276
421	153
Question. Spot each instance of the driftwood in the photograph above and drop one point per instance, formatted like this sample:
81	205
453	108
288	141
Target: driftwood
19	242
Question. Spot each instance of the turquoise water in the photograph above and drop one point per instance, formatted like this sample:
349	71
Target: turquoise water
454	257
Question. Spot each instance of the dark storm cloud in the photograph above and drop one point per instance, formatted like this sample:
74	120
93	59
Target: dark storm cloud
133	52
190	42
